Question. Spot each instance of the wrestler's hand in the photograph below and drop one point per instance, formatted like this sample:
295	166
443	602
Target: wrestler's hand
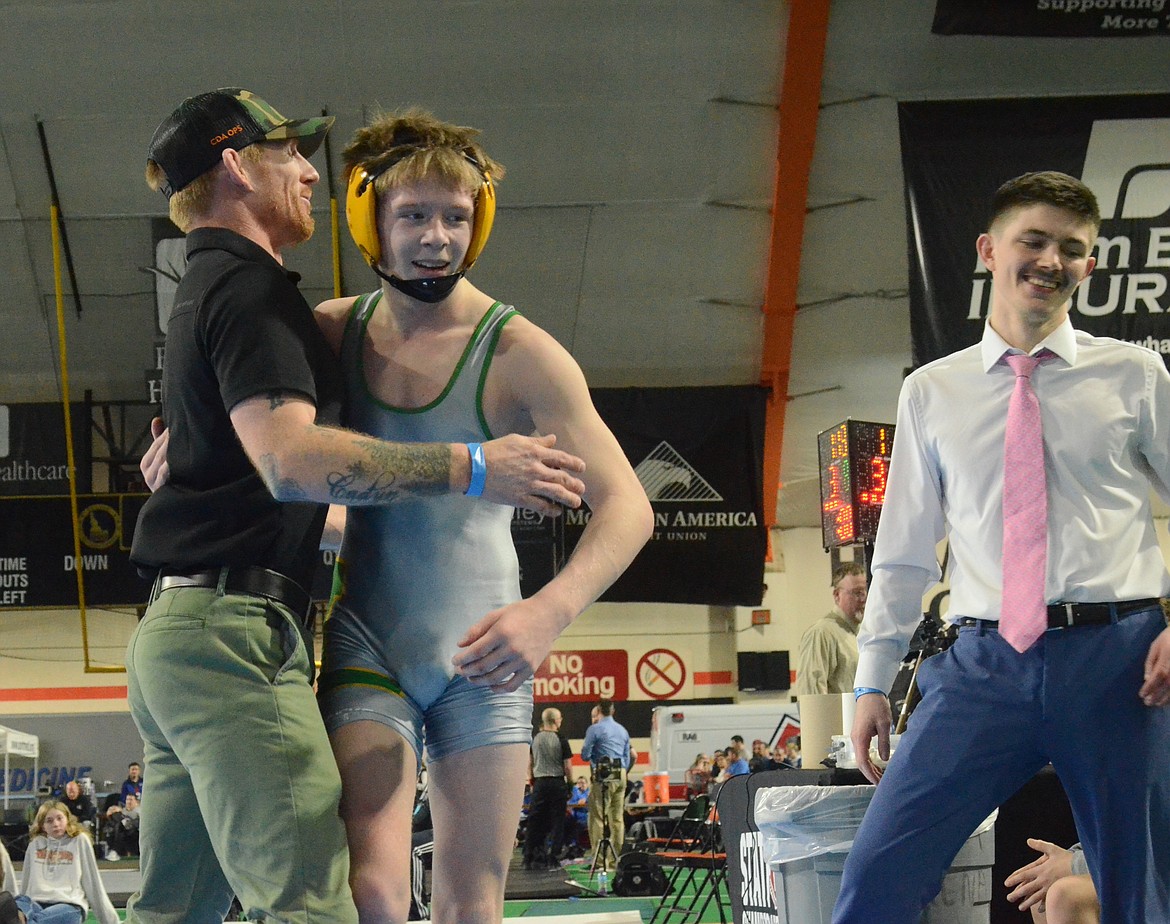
505	648
871	717
526	472
1156	689
154	465
1030	884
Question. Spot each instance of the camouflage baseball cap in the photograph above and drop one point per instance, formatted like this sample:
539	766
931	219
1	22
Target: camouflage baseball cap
189	141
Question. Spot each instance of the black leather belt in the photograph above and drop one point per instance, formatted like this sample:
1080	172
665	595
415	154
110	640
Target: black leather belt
1069	615
257	581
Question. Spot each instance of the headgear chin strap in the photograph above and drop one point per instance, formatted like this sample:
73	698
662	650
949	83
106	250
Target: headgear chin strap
430	290
361	212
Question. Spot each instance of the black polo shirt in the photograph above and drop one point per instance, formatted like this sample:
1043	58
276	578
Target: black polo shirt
239	328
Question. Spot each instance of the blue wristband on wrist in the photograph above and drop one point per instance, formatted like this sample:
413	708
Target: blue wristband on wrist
859	692
478	470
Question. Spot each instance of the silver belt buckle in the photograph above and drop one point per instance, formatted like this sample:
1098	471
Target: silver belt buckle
1068	614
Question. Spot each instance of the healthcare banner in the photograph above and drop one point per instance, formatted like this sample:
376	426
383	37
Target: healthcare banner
955	155
33	454
1063	18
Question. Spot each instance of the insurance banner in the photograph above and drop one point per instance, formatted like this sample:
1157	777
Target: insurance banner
956	154
1065	18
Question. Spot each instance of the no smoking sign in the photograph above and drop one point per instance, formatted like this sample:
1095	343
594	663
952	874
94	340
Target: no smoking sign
660	673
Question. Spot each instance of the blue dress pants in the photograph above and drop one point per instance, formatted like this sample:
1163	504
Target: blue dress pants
989	719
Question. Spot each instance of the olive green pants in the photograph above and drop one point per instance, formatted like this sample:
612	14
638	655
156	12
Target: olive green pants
608	800
240	790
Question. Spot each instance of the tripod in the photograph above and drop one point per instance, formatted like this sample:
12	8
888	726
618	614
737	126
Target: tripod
604	849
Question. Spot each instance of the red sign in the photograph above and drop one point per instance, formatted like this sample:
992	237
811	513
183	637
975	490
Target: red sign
661	673
582	677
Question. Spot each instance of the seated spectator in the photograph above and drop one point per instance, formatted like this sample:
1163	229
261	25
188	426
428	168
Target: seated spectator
698	775
60	882
1056	887
7	871
132	783
737	764
79	804
718	765
576	818
122	828
761	759
792	754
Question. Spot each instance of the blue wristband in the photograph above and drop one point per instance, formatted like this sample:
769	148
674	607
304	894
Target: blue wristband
478	470
859	692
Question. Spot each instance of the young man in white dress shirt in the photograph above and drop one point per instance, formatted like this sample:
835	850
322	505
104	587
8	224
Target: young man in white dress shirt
1099	677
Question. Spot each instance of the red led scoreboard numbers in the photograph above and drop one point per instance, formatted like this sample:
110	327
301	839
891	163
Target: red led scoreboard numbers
854	462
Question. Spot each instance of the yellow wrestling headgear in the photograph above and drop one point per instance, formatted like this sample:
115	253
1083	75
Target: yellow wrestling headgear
361	210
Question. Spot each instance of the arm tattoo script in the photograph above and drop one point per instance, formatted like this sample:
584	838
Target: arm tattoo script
392	469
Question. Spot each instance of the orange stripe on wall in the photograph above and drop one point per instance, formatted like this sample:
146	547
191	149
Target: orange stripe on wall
37	694
712	678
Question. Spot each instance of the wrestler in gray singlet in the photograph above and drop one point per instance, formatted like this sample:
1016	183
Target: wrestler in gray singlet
413	576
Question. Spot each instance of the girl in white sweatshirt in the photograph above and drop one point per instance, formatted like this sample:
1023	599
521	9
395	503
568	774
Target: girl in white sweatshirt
60	878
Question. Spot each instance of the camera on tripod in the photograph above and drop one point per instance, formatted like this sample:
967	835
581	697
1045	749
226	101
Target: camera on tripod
606	770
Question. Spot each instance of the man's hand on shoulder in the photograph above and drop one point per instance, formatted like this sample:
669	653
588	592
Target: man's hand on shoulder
527	472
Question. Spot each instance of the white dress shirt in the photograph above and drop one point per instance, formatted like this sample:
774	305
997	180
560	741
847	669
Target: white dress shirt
1105	407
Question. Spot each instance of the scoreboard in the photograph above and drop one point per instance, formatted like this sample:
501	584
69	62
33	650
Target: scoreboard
854	459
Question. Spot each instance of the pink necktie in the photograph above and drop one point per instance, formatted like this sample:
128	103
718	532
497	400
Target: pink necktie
1024	613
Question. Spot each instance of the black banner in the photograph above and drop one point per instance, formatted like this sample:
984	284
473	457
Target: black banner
38	563
698	452
33	455
956	154
1053	18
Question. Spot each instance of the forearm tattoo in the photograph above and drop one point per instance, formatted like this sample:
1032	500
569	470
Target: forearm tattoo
392	469
284	488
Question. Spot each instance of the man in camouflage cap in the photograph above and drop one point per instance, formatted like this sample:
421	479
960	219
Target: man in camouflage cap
242	787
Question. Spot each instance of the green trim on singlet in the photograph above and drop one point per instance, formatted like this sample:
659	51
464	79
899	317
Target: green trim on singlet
488	356
359	348
358	677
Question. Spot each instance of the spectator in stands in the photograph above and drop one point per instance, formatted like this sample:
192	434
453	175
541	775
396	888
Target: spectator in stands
576	819
792	754
122	822
698	775
79	804
60	882
1055	887
761	759
736	763
132	783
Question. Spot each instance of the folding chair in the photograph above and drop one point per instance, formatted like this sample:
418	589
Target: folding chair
697	878
691	832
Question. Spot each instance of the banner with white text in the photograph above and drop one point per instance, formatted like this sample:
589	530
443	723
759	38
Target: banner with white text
34	458
956	154
1053	18
698	452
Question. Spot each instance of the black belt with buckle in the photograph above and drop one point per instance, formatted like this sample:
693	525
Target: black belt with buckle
259	582
1068	615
